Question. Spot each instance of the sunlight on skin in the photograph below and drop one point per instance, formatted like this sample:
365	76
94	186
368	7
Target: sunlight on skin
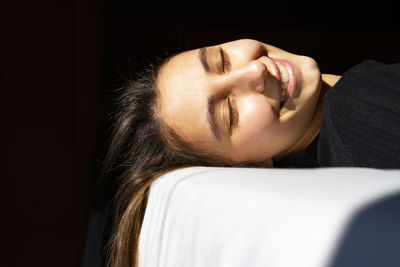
226	100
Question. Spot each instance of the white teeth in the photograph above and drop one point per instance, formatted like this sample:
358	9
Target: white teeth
283	71
284	80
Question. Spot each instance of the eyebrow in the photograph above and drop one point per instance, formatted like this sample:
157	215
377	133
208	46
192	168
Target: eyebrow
211	117
203	59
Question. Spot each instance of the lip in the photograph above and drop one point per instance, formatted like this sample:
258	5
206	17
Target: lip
292	76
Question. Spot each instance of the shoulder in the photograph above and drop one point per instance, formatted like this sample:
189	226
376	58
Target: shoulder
371	69
368	77
360	118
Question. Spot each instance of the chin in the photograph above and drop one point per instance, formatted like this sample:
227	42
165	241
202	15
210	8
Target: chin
311	76
312	73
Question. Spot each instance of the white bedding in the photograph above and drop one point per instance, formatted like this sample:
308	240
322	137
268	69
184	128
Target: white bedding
206	216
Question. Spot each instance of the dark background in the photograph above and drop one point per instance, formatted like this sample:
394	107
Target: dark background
60	59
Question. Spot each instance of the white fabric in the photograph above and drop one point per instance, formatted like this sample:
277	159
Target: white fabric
231	217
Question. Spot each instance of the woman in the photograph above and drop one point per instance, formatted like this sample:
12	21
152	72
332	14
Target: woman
243	103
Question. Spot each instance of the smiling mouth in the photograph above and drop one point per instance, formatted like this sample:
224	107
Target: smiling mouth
287	79
284	80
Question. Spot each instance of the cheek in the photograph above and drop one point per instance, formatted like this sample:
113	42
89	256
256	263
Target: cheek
256	118
258	125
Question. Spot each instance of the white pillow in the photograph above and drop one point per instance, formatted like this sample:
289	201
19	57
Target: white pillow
231	217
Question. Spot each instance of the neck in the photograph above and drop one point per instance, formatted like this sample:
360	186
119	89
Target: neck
327	82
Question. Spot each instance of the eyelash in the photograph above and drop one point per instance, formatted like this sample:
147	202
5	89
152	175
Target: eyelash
225	64
232	115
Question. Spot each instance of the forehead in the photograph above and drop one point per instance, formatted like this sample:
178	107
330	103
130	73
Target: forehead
183	95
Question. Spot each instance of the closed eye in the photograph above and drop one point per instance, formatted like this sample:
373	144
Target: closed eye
225	63
233	116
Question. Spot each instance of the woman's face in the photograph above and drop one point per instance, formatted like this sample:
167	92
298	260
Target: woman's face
245	101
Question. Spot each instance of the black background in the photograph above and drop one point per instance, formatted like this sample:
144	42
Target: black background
60	59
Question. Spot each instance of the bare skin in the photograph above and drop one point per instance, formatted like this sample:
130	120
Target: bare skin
244	100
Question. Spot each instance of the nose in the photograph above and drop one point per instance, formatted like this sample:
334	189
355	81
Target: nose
249	77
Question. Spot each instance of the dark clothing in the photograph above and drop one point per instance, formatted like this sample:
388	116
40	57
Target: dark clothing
301	159
361	121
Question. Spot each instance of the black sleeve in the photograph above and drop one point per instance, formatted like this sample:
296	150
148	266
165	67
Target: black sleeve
361	119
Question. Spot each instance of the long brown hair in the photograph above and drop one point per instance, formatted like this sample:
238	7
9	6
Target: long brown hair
140	150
